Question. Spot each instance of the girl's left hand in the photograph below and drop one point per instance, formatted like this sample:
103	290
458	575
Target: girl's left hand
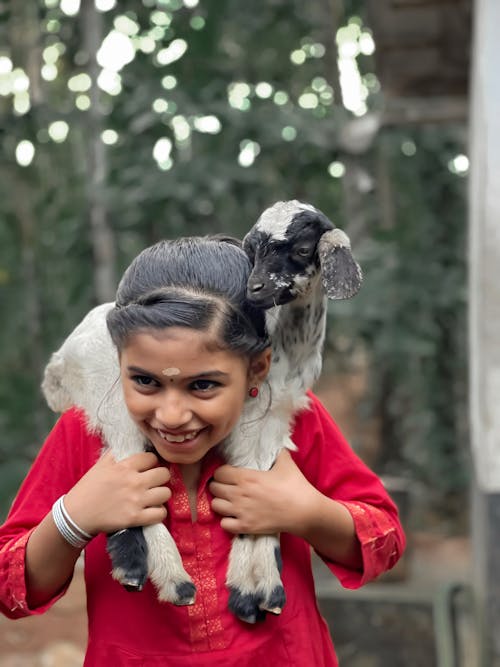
264	502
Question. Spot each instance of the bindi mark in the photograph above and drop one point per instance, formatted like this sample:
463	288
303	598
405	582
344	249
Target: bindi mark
169	372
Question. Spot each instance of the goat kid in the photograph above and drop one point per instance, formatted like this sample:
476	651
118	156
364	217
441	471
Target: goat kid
299	261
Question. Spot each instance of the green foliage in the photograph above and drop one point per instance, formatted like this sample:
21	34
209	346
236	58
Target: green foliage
411	314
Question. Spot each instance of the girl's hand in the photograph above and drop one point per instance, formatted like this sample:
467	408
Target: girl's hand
120	494
256	502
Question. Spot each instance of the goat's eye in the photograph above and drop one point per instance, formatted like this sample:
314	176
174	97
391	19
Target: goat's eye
303	252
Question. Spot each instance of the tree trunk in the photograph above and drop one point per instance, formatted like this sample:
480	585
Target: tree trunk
101	234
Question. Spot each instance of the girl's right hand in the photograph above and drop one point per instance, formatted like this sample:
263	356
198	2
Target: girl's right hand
113	495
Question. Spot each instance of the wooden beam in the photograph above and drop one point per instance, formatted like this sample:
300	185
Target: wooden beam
418	111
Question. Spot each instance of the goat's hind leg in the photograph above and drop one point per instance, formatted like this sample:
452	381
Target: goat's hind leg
129	557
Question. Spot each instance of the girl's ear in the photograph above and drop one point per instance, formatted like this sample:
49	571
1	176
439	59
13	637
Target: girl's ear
259	367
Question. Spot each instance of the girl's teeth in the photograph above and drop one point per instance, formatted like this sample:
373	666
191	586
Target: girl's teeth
177	438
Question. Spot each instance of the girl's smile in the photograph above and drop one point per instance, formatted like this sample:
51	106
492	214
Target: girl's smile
187	413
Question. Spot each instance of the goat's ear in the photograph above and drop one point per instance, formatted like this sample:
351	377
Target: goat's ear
341	274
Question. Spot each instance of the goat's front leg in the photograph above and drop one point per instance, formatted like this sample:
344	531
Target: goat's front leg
128	548
254	570
244	600
253	577
150	550
165	567
128	551
267	571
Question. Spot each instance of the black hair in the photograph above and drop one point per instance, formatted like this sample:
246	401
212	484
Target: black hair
195	282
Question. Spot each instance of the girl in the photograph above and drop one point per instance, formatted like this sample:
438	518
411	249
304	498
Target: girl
192	350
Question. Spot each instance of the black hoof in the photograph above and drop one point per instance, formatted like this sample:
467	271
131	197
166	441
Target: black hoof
246	606
129	555
186	592
275	602
132	585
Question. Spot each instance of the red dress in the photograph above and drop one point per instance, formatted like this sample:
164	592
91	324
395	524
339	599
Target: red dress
134	629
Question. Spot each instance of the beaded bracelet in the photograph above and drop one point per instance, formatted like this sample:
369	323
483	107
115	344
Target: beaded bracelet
71	532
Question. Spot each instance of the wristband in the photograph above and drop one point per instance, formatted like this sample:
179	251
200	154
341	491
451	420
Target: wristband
69	530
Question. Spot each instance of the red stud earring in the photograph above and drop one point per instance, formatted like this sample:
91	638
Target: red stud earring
253	392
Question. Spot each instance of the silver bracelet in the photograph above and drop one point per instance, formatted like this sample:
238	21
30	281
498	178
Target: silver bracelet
70	531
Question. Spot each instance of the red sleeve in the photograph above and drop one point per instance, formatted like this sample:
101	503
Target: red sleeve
328	462
66	455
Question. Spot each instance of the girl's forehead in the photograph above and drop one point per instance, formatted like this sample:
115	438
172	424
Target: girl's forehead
174	347
177	334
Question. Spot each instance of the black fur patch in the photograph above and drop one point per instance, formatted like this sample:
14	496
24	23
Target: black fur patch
246	606
129	552
276	600
185	593
279	560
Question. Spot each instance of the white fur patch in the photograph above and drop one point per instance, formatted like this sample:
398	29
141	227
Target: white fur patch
337	238
276	219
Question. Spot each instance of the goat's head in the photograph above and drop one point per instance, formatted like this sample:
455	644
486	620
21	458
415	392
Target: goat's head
289	246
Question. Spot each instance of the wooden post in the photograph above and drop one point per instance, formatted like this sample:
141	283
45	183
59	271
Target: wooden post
484	320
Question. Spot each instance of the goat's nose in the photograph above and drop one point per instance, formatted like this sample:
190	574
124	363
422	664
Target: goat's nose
255	287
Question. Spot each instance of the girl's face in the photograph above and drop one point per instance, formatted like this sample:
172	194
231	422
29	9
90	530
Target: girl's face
184	393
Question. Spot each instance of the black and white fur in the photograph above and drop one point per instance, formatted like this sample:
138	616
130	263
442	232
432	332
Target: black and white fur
299	261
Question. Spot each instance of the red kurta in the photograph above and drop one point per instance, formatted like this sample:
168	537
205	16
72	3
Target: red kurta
134	629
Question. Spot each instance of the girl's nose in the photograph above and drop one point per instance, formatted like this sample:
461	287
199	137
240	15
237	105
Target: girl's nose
173	410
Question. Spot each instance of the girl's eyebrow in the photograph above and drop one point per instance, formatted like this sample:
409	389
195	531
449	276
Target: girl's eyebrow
142	371
211	373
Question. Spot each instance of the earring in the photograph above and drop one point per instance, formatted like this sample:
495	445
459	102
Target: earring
253	392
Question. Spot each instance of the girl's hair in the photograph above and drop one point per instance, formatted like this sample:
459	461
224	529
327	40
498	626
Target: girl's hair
195	282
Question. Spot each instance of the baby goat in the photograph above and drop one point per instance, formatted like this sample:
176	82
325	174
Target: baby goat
299	260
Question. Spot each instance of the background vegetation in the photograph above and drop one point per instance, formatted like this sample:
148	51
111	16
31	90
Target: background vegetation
193	118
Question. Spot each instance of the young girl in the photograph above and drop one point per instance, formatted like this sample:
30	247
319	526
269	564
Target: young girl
192	351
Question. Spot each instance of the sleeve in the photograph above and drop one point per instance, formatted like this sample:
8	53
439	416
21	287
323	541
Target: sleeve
65	456
328	462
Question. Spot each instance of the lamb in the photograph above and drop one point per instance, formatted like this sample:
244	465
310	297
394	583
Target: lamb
297	255
299	261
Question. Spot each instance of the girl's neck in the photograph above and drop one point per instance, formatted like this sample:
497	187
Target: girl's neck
191	476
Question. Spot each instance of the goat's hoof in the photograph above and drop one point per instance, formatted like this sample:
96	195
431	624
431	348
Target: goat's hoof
128	552
246	606
275	602
185	594
133	582
133	585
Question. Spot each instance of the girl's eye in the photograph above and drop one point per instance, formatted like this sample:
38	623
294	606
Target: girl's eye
204	385
144	381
